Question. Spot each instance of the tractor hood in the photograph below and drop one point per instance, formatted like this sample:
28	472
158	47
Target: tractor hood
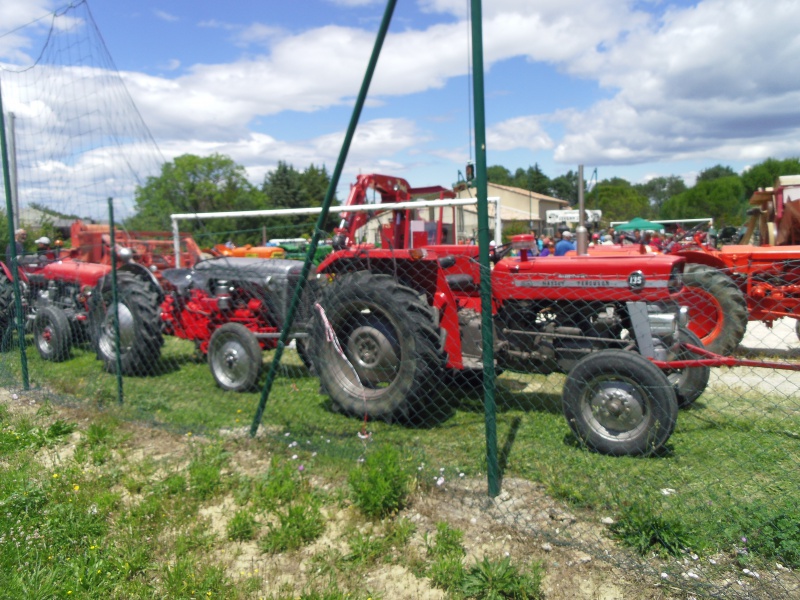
611	278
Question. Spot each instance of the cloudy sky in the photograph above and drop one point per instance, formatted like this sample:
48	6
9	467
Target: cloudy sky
636	89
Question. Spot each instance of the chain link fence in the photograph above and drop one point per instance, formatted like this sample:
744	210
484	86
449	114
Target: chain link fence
612	436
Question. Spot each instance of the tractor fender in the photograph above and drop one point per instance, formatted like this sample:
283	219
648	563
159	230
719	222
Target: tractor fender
703	258
147	276
7	272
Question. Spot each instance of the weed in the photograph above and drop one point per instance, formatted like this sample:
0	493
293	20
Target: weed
280	485
197	537
174	484
380	486
642	528
496	580
98	434
446	543
242	526
773	531
300	524
205	473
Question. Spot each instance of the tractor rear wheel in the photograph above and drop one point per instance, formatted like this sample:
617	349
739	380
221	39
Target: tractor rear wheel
140	338
52	334
6	312
234	357
619	403
717	308
387	358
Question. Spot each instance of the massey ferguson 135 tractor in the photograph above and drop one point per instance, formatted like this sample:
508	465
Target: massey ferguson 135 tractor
67	301
726	287
404	318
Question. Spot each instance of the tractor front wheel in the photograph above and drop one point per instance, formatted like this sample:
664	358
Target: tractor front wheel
52	334
234	357
387	355
619	403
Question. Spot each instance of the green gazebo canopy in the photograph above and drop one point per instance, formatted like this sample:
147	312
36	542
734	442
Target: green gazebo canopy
640	224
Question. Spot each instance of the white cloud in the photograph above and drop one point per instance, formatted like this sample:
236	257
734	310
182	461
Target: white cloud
165	16
519	132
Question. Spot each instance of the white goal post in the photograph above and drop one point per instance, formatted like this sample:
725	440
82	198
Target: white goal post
389	206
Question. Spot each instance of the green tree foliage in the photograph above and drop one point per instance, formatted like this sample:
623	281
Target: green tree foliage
620	201
499	175
196	184
715	172
532	179
285	187
723	199
660	189
764	174
565	187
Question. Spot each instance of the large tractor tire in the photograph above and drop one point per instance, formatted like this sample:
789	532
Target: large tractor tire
689	383
392	355
6	312
717	308
619	403
140	336
52	334
234	357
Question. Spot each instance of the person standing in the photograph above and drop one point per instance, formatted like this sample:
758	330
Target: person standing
565	244
20	235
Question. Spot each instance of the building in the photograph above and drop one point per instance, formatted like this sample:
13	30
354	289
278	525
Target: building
523	208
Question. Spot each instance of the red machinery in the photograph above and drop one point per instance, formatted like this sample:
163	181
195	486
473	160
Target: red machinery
66	300
748	281
405	315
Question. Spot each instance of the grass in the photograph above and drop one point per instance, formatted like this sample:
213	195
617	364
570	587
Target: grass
730	473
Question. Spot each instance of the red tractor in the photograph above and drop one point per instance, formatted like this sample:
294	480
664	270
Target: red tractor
394	320
758	281
67	301
233	308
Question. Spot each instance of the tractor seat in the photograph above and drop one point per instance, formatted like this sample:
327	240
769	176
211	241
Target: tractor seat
178	279
461	282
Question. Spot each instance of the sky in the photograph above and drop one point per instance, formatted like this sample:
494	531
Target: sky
634	89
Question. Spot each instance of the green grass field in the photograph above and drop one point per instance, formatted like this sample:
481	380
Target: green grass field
727	487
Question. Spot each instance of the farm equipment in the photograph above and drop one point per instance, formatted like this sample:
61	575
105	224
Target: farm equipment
395	321
759	281
232	308
248	251
153	250
67	301
407	314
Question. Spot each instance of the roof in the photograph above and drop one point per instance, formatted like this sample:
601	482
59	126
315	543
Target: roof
527	193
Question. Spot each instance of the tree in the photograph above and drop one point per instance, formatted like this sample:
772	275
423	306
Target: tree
660	189
196	184
715	172
565	187
723	199
499	175
285	187
620	201
532	179
764	174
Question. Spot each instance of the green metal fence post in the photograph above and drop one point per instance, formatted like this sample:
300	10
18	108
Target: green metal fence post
323	215
490	412
20	320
